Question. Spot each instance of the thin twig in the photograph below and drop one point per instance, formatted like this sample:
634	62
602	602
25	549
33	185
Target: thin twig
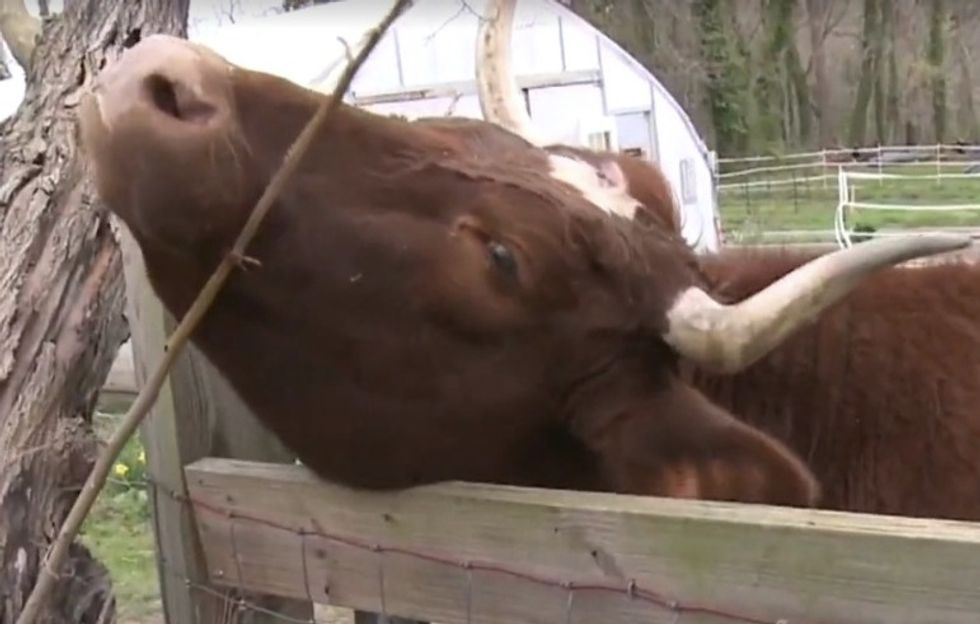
148	394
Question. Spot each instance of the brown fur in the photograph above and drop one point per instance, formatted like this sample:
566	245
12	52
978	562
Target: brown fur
880	396
380	338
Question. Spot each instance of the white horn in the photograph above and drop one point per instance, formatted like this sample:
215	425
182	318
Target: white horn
729	338
500	101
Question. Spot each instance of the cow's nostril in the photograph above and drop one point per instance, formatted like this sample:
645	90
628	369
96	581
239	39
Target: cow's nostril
173	99
163	95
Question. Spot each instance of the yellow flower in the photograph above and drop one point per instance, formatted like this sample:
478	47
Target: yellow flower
142	457
121	470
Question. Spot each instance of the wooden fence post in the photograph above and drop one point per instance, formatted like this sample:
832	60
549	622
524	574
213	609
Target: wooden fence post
197	415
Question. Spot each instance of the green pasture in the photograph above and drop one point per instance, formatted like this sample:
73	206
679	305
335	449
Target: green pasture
770	202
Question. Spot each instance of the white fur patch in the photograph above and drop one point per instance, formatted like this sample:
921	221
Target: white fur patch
606	189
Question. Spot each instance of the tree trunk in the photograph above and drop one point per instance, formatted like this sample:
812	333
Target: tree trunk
817	11
644	27
892	100
966	122
801	89
724	93
879	103
859	116
936	58
771	80
61	309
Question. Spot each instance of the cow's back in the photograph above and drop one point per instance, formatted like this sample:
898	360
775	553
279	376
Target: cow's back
881	396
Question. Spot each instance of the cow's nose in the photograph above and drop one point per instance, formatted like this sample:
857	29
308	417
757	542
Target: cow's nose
162	76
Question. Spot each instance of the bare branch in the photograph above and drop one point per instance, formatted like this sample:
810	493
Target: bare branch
452	105
832	21
462	9
228	10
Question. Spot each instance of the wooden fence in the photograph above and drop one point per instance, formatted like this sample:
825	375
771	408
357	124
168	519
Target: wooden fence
475	553
238	523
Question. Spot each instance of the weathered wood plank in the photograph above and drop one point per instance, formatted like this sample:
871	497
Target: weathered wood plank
196	415
764	562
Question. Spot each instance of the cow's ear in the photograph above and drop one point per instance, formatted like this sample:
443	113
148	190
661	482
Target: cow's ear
676	443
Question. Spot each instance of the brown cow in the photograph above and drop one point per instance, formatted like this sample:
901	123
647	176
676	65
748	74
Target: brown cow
879	397
426	309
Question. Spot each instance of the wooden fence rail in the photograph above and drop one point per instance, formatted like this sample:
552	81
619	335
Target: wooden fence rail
476	553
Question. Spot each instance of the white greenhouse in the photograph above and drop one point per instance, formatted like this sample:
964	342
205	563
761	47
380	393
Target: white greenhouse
580	87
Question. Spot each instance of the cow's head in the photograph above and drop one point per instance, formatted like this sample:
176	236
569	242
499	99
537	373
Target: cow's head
457	308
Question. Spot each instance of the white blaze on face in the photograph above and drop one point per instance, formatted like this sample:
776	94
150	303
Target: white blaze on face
605	187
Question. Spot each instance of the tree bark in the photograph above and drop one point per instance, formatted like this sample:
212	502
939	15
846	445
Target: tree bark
869	65
771	82
61	308
936	58
966	122
801	90
817	11
725	85
893	116
20	30
878	102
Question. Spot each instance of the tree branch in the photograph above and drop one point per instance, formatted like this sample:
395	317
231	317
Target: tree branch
20	30
148	394
4	69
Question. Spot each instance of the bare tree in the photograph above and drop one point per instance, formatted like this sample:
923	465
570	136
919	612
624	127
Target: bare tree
870	48
964	21
875	70
817	12
936	55
61	294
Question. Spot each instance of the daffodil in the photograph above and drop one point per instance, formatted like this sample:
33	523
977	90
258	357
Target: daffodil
121	469
142	457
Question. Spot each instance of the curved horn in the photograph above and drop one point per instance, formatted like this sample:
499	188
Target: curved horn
496	87
729	338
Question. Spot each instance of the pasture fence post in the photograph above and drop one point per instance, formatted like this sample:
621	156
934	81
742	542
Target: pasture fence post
823	167
197	415
880	165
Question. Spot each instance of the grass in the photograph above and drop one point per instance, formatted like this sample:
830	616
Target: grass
119	534
799	204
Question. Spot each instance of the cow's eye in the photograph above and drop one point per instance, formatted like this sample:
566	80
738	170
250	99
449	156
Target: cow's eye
502	257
